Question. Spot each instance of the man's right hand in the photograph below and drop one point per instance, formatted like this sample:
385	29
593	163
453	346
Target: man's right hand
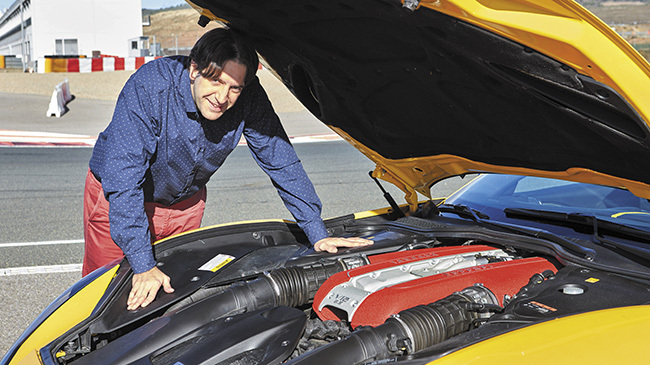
145	287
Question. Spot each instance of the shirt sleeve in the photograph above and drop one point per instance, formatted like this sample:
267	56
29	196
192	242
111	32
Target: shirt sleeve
124	151
274	153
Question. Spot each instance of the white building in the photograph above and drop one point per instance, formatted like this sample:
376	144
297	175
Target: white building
69	28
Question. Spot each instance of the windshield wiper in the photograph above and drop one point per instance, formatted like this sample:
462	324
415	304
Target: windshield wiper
463	210
590	221
480	217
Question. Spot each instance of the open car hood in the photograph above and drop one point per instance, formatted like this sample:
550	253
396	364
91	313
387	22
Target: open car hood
433	89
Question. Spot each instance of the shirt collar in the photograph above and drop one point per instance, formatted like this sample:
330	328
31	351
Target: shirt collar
186	94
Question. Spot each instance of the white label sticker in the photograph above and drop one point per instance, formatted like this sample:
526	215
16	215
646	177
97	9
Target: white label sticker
216	263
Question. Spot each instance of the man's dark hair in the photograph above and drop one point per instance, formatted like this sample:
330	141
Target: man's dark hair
220	45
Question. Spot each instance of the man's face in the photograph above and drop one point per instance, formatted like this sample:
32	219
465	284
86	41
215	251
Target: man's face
214	97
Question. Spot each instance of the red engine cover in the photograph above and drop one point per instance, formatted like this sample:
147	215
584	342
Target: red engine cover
368	295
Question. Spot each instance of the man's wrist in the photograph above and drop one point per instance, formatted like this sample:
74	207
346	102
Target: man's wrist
141	262
316	231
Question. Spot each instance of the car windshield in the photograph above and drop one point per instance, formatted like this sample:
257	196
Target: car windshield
497	195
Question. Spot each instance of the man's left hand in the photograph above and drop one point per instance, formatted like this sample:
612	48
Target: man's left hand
145	286
330	244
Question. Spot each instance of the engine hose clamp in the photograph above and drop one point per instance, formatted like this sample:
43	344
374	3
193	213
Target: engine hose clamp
274	285
407	333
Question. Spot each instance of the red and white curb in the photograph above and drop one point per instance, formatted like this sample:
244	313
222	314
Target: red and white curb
10	138
328	137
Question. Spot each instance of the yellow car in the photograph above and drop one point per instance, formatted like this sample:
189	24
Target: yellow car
544	258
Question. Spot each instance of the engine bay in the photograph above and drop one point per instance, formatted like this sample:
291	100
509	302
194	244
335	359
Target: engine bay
422	291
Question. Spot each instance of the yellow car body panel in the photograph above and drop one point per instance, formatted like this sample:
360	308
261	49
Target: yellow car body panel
611	336
31	358
73	311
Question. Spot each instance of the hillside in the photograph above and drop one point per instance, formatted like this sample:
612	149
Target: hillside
614	13
172	26
630	19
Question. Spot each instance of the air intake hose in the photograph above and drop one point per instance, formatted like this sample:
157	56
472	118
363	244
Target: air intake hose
292	286
408	332
289	286
297	285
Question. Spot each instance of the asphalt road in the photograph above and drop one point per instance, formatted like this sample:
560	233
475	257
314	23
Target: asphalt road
41	193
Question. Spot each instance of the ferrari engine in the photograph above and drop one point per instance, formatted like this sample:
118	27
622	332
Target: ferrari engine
421	302
404	302
432	301
368	295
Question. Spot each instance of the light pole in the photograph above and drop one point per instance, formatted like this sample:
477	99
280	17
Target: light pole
22	35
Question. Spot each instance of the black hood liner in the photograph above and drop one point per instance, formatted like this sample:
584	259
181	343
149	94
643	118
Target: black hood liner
415	84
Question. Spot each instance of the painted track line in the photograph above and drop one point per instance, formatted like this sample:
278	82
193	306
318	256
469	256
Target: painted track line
31	270
41	243
45	269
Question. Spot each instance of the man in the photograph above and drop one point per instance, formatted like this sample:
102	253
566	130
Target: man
175	122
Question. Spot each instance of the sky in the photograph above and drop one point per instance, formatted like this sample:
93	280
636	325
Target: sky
146	4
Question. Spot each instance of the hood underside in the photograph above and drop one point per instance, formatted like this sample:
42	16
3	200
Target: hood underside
452	87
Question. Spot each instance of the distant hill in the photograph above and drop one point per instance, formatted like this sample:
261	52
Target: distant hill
587	3
619	12
630	19
176	29
146	12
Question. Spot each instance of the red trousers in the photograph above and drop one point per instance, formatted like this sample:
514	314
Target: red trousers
164	221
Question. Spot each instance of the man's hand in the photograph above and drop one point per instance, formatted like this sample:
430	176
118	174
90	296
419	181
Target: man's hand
330	244
145	286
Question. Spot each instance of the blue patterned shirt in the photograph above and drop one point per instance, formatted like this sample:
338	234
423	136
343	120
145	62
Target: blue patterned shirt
158	149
